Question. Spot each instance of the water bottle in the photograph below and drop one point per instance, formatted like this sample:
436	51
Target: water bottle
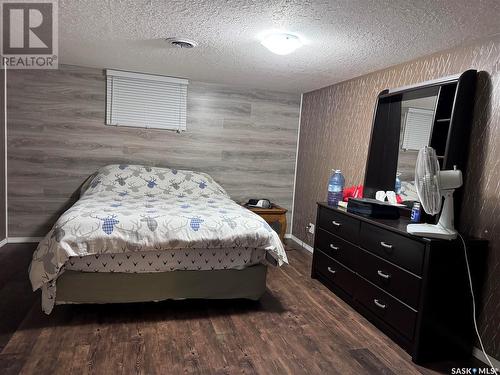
397	187
415	213
335	188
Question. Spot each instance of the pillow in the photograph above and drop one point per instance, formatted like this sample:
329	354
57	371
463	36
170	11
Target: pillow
134	180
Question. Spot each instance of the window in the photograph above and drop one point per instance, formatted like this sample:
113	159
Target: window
418	126
145	100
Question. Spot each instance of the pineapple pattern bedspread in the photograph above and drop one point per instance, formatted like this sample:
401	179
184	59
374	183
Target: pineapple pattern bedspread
132	208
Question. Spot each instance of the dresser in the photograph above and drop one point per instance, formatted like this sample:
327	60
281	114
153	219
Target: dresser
413	289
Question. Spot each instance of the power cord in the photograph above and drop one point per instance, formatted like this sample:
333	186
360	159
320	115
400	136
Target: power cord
301	241
474	306
306	235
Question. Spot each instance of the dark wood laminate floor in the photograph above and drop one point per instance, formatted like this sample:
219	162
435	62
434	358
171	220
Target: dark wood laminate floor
298	327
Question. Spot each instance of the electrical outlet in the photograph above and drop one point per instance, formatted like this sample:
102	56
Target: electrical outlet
311	228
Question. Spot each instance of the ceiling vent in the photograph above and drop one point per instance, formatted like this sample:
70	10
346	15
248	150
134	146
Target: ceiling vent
181	42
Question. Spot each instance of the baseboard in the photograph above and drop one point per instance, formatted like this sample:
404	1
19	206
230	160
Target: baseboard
3	242
24	239
301	243
477	353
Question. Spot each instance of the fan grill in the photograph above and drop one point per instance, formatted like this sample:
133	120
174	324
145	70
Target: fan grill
427	180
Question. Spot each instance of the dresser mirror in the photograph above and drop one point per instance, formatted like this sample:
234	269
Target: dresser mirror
436	113
418	110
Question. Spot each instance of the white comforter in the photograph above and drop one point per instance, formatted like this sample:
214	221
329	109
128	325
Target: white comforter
129	208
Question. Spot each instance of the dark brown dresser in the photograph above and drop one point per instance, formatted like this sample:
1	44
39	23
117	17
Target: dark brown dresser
413	289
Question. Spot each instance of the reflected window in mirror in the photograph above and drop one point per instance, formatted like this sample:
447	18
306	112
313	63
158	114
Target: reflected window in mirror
418	110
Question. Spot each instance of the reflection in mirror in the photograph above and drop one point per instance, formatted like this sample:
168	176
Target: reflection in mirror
417	118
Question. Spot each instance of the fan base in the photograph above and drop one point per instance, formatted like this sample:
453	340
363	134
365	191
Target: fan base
431	231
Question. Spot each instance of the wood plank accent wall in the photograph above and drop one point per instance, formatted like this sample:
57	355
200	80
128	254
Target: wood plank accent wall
3	203
246	139
335	131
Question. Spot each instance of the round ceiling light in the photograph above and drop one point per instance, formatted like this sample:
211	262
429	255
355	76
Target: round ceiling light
282	43
181	42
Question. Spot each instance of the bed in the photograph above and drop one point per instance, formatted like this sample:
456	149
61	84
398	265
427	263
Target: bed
141	233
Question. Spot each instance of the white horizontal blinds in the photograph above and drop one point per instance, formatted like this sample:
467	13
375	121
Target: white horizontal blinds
144	100
418	126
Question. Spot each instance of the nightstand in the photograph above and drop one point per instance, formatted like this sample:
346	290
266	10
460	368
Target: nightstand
274	216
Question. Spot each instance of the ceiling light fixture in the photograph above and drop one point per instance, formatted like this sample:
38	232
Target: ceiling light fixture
282	43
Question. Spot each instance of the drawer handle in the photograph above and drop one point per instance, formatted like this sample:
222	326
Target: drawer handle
386	245
384	275
333	272
332	246
336	223
381	305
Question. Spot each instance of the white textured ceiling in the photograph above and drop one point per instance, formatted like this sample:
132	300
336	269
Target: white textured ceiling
345	38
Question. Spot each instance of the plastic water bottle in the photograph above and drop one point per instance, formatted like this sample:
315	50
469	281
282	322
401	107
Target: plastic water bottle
415	213
397	187
335	188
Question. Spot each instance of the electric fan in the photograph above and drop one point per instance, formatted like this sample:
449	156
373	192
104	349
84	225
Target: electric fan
431	185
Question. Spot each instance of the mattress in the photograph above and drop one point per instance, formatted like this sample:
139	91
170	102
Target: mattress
131	214
167	260
122	264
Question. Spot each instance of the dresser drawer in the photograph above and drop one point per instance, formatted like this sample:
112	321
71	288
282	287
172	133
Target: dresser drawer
334	272
398	249
339	224
393	312
337	248
395	280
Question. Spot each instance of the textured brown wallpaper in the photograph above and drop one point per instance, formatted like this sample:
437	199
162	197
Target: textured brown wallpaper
335	131
246	139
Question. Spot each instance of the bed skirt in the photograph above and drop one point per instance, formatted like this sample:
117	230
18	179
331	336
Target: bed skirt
104	287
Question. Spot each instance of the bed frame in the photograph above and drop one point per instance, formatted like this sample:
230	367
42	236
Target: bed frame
105	287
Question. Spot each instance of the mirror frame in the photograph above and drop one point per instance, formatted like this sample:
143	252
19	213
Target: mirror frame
382	158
